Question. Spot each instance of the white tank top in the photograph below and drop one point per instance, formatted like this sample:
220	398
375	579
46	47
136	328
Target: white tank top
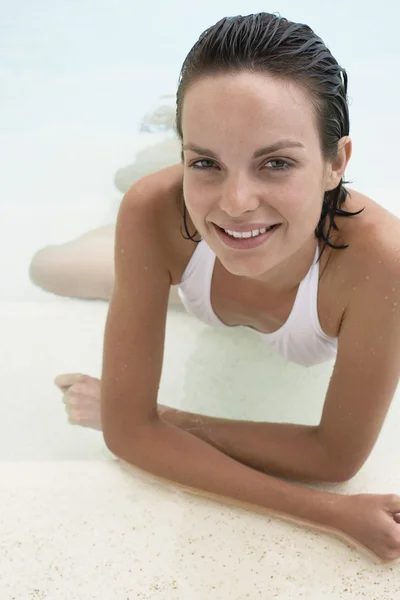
300	339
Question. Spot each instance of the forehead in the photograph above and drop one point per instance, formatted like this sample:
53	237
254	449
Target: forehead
247	103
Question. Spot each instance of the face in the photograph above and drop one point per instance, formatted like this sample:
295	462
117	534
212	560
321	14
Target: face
226	184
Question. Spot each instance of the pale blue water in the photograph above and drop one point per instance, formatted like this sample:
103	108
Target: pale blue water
75	79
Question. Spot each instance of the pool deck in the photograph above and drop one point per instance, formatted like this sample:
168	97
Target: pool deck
78	523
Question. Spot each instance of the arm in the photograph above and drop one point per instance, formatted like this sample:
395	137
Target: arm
173	454
132	363
284	450
360	392
367	368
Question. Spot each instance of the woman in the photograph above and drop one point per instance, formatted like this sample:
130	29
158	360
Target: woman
272	240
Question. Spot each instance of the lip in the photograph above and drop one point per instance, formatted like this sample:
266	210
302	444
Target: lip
244	228
244	243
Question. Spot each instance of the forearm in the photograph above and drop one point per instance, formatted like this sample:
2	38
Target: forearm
171	453
280	449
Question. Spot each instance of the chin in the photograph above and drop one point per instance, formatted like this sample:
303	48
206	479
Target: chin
247	267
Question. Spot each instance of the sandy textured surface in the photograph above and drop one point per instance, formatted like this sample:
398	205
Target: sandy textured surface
76	523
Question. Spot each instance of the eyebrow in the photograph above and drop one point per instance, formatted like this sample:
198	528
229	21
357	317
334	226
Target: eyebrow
261	152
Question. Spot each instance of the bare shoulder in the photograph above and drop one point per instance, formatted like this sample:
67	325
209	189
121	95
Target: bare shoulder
160	197
365	275
155	191
370	262
373	237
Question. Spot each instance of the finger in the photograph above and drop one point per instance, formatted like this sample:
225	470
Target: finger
66	380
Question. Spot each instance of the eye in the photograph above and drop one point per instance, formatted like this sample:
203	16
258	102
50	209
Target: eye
282	165
203	160
285	164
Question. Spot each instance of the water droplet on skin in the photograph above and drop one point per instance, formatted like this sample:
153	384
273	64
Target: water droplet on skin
367	277
386	297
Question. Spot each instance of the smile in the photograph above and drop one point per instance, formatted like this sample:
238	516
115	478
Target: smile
247	239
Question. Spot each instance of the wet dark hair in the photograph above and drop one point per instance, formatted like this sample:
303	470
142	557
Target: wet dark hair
267	43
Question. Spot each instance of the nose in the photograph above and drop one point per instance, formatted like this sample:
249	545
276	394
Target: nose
238	197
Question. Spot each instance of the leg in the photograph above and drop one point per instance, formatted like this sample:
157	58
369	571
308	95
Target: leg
61	270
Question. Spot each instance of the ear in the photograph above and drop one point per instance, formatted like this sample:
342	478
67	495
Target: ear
337	166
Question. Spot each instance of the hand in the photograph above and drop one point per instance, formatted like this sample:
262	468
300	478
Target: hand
373	521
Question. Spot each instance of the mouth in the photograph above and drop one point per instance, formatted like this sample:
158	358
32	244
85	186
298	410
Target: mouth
245	243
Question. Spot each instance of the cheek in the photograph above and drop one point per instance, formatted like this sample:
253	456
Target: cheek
196	201
301	209
192	203
291	203
304	195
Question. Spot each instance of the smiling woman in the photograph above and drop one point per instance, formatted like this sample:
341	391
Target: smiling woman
263	121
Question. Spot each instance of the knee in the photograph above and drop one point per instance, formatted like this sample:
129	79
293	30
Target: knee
60	270
42	268
50	269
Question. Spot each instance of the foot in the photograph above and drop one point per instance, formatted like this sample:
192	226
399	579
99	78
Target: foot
81	396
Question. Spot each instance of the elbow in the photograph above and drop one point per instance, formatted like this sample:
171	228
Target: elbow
124	448
333	468
341	477
128	444
109	442
342	474
348	474
118	442
114	438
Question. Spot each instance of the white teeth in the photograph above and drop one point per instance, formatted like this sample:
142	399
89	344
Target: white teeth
247	234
